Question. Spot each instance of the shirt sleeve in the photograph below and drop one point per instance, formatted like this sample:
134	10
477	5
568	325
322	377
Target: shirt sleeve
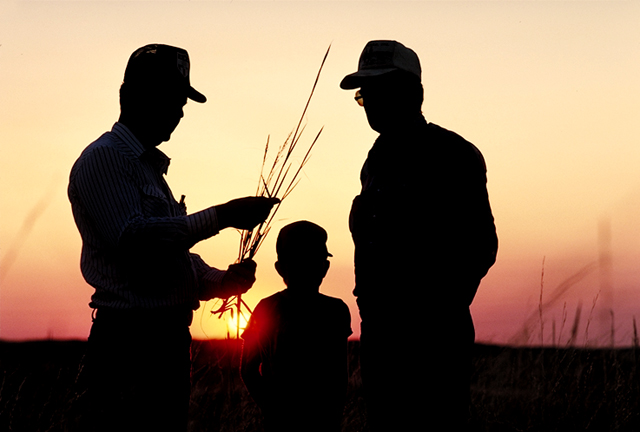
106	184
209	278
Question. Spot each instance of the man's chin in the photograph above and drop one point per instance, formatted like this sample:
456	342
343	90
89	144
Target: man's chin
164	137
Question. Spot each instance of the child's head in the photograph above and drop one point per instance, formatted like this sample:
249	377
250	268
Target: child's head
302	255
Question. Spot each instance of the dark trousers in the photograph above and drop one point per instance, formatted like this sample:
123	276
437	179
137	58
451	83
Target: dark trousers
417	377
137	371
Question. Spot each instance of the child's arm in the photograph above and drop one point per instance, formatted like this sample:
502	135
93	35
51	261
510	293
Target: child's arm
250	371
251	365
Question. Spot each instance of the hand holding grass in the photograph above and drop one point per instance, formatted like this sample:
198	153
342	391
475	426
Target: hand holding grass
277	179
244	213
238	279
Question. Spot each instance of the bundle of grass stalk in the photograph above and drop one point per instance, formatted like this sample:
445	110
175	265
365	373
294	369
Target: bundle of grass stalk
277	180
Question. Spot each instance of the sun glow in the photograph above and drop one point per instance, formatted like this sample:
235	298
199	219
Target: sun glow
232	324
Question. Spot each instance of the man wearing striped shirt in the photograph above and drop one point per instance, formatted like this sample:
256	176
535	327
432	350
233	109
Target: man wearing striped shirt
135	253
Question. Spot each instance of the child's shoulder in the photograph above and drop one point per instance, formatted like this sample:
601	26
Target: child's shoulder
330	299
333	303
272	299
287	299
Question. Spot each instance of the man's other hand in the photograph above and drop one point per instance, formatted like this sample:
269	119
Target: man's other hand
245	213
238	279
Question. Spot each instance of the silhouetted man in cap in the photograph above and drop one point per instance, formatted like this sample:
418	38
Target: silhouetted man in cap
294	361
135	253
424	237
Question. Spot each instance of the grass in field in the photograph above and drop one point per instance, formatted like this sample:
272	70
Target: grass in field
555	389
37	385
513	389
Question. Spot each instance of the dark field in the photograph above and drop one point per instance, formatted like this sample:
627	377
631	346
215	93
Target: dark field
512	389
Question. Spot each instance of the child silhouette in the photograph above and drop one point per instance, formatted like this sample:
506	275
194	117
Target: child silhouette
294	361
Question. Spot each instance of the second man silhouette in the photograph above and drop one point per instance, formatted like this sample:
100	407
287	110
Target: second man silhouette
424	237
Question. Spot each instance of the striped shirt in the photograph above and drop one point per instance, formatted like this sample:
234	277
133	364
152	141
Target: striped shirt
135	236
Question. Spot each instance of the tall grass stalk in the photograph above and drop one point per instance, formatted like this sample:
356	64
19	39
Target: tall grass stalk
586	331
612	333
540	304
534	320
576	325
564	321
277	180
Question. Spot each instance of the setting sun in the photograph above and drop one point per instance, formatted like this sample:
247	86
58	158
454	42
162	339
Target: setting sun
232	323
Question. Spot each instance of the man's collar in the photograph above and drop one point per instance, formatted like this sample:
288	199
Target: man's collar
128	138
160	159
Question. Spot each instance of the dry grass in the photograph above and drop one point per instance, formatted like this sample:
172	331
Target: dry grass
37	386
552	389
278	178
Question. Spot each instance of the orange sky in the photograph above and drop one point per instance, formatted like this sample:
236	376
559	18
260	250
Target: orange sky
548	91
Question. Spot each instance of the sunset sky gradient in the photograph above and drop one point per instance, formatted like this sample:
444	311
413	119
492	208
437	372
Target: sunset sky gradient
549	92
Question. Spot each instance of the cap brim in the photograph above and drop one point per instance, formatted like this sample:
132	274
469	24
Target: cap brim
195	95
355	79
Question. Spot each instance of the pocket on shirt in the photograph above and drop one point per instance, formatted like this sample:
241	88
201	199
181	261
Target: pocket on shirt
154	202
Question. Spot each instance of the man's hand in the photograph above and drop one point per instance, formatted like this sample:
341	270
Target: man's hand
244	213
238	279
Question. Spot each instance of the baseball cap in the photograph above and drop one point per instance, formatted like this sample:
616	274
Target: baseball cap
161	64
380	57
302	240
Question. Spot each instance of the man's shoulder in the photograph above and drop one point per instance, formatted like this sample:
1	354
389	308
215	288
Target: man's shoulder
446	134
107	142
118	140
451	140
107	149
99	156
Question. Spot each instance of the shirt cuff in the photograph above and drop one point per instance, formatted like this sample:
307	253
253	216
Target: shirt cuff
203	224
